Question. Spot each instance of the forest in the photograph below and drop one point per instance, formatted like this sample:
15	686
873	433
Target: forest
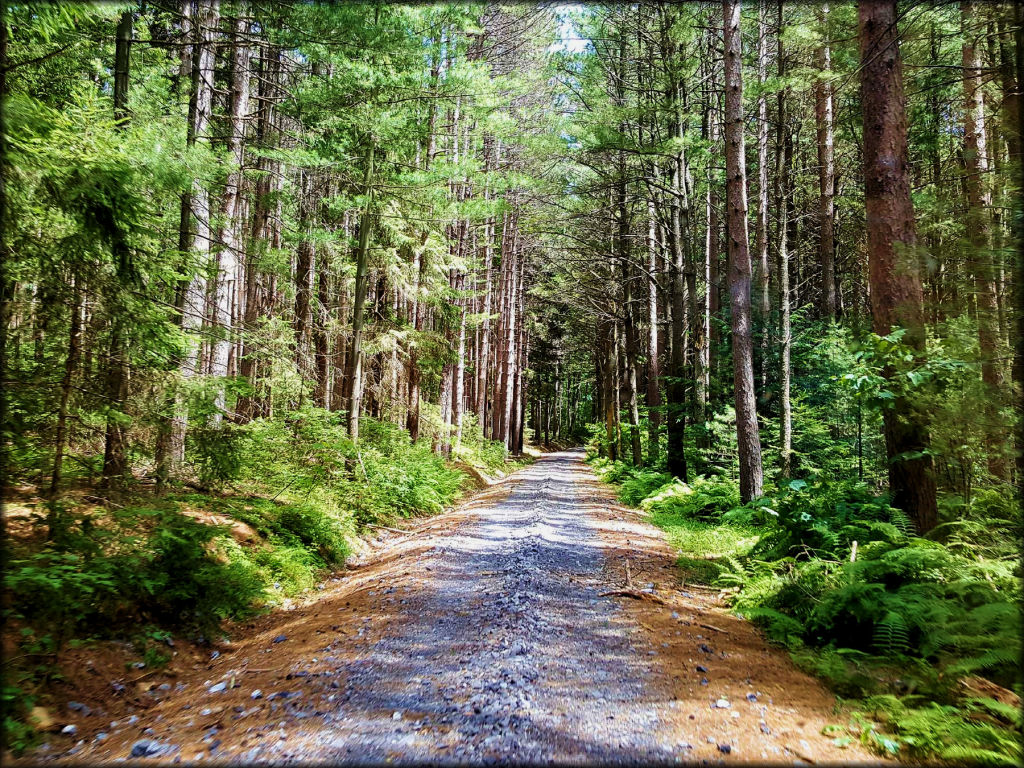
280	276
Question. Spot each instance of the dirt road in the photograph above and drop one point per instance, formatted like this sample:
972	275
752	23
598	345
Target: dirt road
483	636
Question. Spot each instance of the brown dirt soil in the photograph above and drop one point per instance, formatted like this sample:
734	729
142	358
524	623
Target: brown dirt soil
793	706
346	617
94	674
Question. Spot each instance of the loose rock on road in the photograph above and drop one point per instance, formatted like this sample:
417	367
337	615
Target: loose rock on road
482	637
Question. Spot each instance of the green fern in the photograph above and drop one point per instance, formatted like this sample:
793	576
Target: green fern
892	636
777	625
1001	710
988	661
899	519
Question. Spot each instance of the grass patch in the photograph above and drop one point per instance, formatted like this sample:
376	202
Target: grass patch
704	549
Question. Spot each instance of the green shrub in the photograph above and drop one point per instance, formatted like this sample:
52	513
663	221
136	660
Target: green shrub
18	734
707	498
824	519
217	452
641	484
979	731
901	622
58	592
292	569
315	530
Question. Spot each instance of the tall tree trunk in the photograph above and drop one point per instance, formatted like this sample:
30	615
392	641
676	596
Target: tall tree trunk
979	203
653	353
524	351
412	419
896	296
484	353
304	256
321	347
267	74
115	461
122	62
70	368
1011	58
362	252
826	170
762	300
713	242
196	218
784	162
609	386
459	395
748	438
679	211
231	204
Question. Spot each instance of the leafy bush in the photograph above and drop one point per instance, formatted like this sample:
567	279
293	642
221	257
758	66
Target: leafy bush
824	519
56	591
217	452
641	484
896	626
707	498
167	575
981	731
314	529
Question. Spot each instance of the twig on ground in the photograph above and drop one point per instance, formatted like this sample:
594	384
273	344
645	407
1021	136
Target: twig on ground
710	626
633	594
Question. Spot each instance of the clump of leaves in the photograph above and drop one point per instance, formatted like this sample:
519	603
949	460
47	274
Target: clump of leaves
641	484
706	498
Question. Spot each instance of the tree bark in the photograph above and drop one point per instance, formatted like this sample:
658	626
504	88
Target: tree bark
231	204
623	256
362	252
679	211
784	161
979	203
748	438
653	352
896	295
196	218
321	347
763	270
826	171
70	369
122	61
115	461
304	277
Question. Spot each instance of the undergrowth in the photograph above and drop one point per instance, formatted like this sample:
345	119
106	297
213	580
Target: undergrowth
283	501
920	635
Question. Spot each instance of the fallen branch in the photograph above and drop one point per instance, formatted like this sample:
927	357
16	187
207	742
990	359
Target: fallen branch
716	629
140	677
633	594
798	753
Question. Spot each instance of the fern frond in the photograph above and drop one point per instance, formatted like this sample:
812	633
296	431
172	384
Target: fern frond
892	636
